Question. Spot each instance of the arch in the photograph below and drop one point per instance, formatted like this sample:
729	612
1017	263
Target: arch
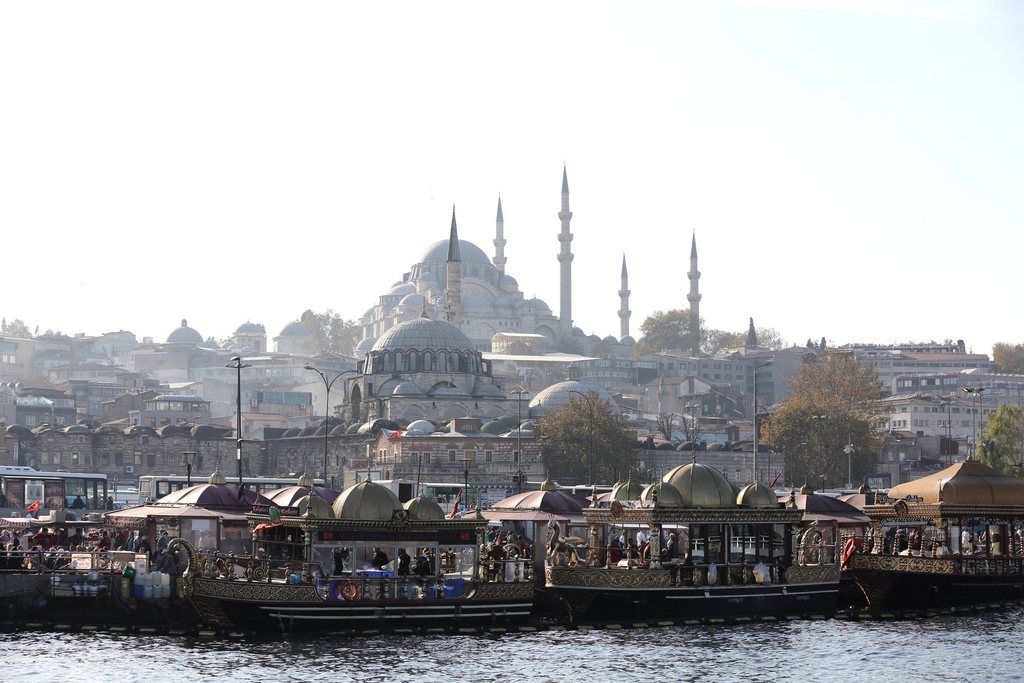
357	398
431	363
454	410
450	362
413	412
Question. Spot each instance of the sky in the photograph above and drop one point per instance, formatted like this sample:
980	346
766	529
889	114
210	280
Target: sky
851	169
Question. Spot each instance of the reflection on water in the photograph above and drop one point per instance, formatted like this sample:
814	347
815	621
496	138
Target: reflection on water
982	647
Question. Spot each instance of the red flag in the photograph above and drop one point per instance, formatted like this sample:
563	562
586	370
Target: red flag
34	507
455	508
397	434
772	485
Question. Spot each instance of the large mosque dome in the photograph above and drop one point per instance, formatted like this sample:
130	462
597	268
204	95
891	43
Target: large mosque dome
185	335
423	334
468	252
561	393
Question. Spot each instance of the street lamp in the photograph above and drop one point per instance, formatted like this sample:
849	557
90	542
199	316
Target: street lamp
756	368
238	365
468	458
692	409
590	434
820	419
519	391
518	478
327	409
187	458
977	393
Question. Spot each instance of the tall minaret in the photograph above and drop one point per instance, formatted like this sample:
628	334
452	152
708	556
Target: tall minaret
499	240
694	296
453	282
565	260
624	302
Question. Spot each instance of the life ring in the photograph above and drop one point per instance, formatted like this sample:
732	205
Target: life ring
348	590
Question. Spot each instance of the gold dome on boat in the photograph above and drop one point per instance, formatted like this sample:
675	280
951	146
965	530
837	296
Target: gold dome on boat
701	486
662	494
757	495
312	505
423	509
627	491
367	501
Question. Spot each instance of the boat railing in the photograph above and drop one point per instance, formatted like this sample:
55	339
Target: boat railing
869	553
64	561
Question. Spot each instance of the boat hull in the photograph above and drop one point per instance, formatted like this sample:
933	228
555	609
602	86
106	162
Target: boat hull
889	582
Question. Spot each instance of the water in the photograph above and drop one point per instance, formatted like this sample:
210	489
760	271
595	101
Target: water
969	648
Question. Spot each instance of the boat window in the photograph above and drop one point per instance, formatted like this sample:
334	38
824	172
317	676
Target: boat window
736	538
697	543
715	547
14	489
778	541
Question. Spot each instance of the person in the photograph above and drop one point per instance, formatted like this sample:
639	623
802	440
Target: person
422	568
161	543
614	552
142	545
340	556
110	502
403	562
669	551
380	559
165	562
641	538
78	504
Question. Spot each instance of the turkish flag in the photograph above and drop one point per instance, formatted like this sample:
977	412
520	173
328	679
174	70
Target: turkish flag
34	507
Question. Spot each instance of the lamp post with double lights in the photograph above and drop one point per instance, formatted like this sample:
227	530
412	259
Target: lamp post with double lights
468	458
187	459
519	391
977	393
756	436
238	365
328	383
590	434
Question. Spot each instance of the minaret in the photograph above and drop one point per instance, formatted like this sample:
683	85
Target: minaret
565	260
453	283
499	240
624	302
694	296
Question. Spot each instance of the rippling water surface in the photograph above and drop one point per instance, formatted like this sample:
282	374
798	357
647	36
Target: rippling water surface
969	648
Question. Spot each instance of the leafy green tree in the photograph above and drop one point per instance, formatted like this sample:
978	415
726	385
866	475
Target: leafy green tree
576	441
833	403
1001	446
16	328
718	340
1008	358
669	331
331	333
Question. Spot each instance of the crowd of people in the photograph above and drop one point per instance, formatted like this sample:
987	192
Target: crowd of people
53	547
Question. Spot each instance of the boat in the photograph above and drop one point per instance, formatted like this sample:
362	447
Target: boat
365	562
702	551
953	538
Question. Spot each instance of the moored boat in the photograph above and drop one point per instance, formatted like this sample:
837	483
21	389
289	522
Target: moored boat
701	550
955	537
365	562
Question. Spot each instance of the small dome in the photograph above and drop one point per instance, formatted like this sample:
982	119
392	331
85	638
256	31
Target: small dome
627	492
494	427
423	334
76	429
250	328
185	335
561	393
413	300
314	506
18	430
306	480
610	340
407	388
806	490
667	495
294	329
537	305
403	288
290	432
340	430
217	478
367	501
509	421
421	427
701	486
509	283
757	495
423	509
365	345
484	389
628	341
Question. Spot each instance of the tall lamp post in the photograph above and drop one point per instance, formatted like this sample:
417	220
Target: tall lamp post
976	393
820	419
468	458
590	434
328	383
692	409
756	368
519	391
238	365
187	458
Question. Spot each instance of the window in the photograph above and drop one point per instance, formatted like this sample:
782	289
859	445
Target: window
488	456
74	457
138	458
515	456
451	456
150	460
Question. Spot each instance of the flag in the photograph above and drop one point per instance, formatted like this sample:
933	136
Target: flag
455	508
397	434
779	474
34	507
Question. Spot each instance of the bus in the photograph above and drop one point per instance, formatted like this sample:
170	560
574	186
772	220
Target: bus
22	487
442	493
155	486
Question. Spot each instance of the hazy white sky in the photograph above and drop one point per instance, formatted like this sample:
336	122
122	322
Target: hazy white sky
852	169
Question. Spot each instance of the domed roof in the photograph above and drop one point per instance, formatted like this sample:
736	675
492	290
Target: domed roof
421	427
422	334
701	486
546	500
184	335
250	328
403	288
468	253
294	329
18	430
561	393
423	509
484	389
365	345
757	495
412	299
314	506
536	304
628	340
508	282
216	496
627	491
968	482
367	501
77	429
407	388
289	496
494	427
667	495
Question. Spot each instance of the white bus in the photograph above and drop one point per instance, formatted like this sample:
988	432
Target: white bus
22	487
152	487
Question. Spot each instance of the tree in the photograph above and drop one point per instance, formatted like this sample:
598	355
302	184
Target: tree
833	402
1001	446
16	328
576	441
666	425
719	340
668	331
331	333
1008	358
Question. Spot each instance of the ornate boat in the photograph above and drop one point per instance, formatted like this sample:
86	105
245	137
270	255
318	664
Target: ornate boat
365	562
955	537
702	551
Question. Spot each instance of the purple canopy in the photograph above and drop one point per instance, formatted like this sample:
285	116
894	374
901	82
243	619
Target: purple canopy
221	497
